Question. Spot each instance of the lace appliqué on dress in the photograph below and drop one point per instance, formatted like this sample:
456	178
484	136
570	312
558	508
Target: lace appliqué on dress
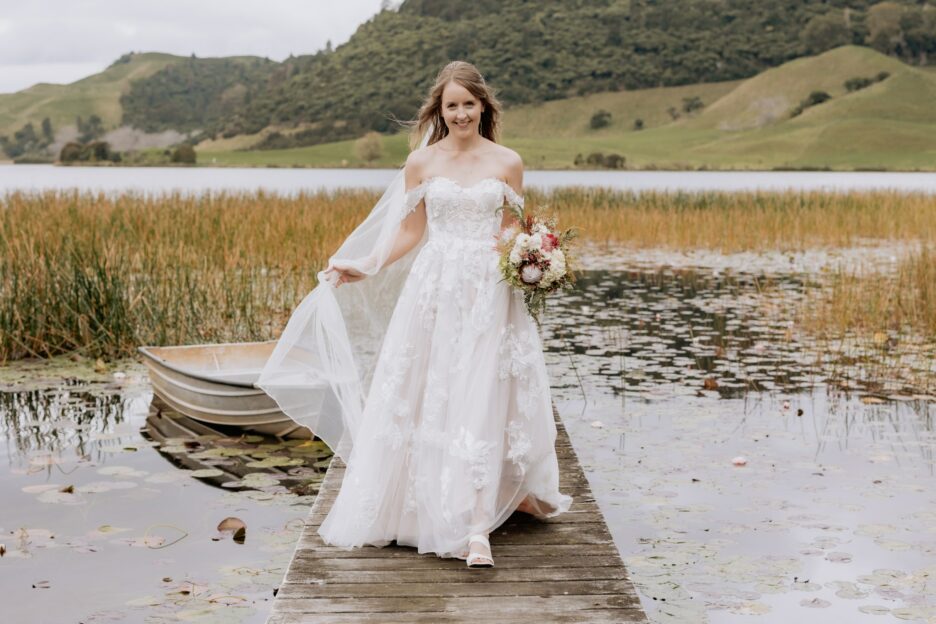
519	444
476	452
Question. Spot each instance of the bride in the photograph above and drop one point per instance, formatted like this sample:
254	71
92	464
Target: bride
415	363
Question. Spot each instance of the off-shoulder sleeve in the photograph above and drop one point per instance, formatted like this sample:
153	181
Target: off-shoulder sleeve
413	197
511	196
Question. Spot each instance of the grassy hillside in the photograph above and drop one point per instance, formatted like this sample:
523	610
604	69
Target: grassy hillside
769	96
98	94
888	125
556	49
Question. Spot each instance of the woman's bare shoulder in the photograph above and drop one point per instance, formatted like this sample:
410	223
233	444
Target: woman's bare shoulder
508	159
419	157
416	165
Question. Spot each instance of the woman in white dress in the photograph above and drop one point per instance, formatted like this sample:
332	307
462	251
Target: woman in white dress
455	430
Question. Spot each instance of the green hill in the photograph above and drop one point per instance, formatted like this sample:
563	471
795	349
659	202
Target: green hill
889	124
98	94
556	49
771	95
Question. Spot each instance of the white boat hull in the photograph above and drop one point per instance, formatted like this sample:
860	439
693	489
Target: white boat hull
214	384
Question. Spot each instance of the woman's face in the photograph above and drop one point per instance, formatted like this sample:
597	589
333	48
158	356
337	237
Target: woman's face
461	110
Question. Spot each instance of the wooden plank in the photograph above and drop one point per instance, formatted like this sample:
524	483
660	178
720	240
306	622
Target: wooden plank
484	588
516	605
564	569
592	616
437	563
317	574
504	551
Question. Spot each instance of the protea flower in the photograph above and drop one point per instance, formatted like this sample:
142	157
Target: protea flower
531	274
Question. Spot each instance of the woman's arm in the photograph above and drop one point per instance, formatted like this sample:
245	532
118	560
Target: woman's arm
514	179
410	233
414	224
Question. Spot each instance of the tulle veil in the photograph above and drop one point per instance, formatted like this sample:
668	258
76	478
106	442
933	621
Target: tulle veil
322	364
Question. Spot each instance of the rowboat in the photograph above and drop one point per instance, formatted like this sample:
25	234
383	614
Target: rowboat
215	384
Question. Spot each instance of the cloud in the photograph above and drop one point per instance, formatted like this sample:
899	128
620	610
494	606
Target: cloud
62	40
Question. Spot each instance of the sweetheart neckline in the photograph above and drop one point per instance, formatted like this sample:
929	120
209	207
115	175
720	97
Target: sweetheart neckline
459	184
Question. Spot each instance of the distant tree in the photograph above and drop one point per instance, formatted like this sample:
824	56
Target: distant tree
885	33
369	147
26	135
47	132
579	160
614	161
6	145
673	113
595	159
600	119
692	104
824	32
919	27
91	129
71	152
99	150
184	154
638	124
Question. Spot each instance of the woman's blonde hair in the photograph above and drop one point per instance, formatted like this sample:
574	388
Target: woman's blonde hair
468	76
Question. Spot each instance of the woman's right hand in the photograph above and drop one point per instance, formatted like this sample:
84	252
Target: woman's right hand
345	274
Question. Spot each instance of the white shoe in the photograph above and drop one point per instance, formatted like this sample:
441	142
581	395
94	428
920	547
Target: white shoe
476	559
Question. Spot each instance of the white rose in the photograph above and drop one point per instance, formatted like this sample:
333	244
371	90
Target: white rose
536	242
531	274
515	257
522	240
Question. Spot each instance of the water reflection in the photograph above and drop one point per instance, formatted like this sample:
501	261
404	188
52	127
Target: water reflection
86	483
664	377
686	331
53	420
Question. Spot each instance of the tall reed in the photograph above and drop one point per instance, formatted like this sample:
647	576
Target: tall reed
742	221
104	273
871	303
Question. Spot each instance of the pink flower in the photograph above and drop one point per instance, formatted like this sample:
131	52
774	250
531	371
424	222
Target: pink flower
549	242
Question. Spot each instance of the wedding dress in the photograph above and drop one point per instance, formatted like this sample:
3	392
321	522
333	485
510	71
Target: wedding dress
458	414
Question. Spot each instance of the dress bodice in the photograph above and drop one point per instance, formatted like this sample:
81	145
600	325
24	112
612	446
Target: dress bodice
464	212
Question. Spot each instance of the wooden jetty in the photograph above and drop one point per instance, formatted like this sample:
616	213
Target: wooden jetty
565	569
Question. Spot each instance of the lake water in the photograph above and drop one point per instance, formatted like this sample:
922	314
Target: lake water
292	181
830	520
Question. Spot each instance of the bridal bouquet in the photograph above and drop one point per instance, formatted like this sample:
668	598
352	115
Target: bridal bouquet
536	258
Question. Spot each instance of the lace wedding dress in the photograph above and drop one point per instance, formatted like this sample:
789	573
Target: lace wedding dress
458	414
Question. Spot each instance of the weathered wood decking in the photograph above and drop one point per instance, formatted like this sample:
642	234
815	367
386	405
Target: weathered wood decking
565	569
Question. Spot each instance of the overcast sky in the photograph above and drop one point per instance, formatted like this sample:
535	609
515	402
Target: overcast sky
64	40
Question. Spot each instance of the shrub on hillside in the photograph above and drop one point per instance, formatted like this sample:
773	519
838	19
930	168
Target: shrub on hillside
369	147
692	104
601	119
638	124
184	154
95	151
854	84
70	152
814	98
599	160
